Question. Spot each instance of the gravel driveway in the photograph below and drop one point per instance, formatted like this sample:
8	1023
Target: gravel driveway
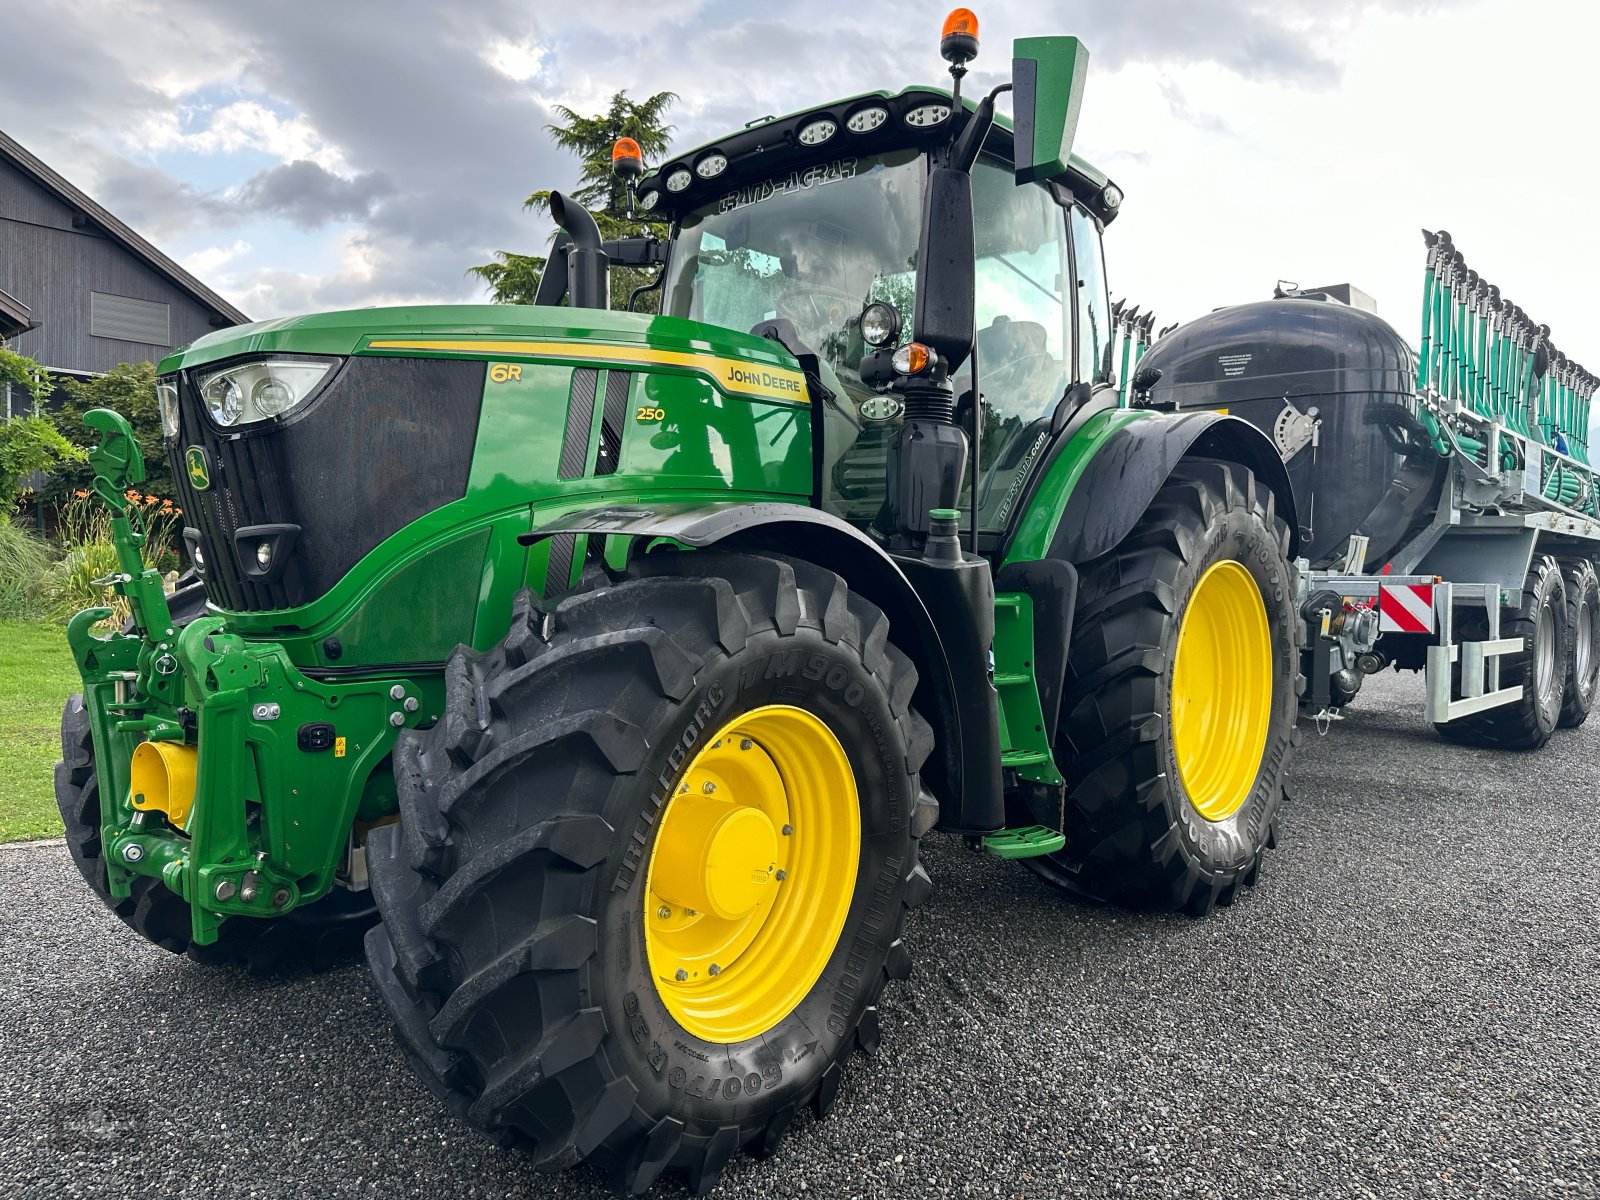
1407	1005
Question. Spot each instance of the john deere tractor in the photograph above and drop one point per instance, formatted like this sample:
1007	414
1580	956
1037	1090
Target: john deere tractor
622	661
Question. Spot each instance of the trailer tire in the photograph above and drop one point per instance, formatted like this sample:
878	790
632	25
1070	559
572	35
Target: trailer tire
1583	641
1141	831
1540	620
526	904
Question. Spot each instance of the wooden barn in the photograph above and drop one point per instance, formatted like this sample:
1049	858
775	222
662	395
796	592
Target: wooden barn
81	292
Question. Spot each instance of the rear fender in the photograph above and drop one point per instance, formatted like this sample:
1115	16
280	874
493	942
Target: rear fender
1130	467
822	538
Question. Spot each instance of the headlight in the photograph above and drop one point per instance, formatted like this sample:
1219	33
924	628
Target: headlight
880	324
258	391
167	398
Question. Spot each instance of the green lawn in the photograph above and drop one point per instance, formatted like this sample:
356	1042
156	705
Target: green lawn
36	677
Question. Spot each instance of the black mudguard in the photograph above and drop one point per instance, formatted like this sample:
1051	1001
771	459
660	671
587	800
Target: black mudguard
967	784
1124	476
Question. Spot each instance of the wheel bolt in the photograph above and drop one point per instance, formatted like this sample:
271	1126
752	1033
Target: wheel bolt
716	970
681	975
708	787
663	912
781	875
788	830
683	789
745	743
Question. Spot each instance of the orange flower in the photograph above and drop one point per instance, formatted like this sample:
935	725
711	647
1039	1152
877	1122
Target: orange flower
130	494
81	495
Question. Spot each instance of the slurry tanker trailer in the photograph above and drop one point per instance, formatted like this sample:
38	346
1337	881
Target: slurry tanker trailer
620	662
1449	516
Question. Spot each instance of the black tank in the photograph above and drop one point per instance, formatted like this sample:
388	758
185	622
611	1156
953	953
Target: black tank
1334	387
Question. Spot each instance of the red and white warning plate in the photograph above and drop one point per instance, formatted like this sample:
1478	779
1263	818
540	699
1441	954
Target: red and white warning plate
1405	608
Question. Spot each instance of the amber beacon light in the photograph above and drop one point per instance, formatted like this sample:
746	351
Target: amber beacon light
959	40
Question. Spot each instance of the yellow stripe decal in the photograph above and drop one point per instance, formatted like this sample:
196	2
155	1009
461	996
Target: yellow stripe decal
731	374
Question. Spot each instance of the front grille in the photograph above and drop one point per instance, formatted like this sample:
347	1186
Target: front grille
388	440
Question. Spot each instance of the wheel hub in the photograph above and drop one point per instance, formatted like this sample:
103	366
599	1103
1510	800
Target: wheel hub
717	856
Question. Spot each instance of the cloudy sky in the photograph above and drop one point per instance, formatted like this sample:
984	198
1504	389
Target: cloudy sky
301	155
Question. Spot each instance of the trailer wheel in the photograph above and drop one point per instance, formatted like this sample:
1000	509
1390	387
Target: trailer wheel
1179	709
653	865
318	935
1583	636
1541	621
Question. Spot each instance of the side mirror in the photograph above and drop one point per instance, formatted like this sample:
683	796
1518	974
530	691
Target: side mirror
946	286
1047	77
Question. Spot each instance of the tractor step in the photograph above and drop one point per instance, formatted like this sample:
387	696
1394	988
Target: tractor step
1023	758
1026	841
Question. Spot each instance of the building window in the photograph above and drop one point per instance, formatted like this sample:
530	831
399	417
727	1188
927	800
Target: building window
130	320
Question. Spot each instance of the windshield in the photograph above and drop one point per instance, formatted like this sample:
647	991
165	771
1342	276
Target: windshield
817	245
813	246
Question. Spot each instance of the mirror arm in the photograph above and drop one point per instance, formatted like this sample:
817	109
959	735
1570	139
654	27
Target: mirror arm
967	144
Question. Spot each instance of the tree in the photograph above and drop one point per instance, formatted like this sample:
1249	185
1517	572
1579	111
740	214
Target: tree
514	278
29	443
129	389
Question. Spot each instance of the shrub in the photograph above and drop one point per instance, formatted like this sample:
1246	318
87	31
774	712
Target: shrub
91	554
25	562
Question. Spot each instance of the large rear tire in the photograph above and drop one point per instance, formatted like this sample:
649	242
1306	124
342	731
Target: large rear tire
1540	620
653	865
1179	709
1583	641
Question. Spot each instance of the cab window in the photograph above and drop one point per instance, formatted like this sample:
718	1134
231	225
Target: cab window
1024	343
1094	309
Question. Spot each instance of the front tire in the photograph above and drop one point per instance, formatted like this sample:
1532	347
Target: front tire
547	953
1179	709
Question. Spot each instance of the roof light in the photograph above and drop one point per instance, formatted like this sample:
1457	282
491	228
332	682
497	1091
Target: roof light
925	116
1111	196
867	119
958	41
711	165
649	200
679	180
814	133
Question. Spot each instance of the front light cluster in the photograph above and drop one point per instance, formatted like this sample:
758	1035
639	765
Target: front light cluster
167	398
259	391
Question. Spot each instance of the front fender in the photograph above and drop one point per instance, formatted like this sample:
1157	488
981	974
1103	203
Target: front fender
1101	491
959	776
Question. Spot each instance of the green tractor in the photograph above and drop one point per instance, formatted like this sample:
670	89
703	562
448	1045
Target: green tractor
622	661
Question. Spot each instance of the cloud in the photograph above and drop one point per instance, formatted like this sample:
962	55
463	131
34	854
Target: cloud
1178	104
155	204
212	259
424	128
311	196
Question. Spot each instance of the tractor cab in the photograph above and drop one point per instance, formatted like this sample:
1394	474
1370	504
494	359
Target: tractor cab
807	228
830	246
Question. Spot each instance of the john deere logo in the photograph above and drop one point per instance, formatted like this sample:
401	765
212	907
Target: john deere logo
199	467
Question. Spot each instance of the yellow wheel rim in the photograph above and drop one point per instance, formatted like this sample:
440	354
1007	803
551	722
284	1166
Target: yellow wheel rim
751	875
1221	690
